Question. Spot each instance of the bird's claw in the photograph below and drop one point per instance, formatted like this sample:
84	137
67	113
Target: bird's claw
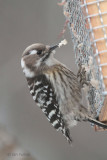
81	75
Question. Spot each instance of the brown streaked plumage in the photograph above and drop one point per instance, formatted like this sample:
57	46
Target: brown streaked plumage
54	88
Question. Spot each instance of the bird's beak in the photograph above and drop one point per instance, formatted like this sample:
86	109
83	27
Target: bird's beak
53	47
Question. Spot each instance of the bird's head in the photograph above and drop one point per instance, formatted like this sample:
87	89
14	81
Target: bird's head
37	56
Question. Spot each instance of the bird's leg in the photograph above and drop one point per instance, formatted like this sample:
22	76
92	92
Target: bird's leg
82	76
83	81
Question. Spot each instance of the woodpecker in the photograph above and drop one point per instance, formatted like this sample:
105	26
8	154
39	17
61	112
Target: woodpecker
55	88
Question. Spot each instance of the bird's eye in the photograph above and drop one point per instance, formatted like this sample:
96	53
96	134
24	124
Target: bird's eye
39	52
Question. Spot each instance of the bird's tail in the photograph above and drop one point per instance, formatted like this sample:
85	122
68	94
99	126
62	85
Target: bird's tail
66	133
96	122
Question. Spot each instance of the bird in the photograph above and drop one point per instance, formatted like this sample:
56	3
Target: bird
55	88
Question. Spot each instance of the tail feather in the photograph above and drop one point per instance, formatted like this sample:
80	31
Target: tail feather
96	122
66	133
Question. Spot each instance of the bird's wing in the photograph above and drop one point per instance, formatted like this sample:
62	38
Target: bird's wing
74	84
43	94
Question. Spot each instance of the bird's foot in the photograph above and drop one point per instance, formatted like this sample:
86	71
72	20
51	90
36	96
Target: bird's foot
81	75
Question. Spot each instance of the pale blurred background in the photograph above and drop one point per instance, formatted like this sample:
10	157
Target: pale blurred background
23	22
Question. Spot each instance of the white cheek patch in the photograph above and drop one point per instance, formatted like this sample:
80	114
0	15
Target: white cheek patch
38	63
28	73
22	63
33	52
